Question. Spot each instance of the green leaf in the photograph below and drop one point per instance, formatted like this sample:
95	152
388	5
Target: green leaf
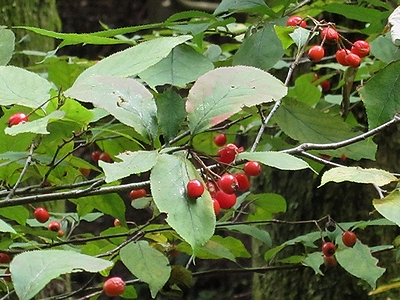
300	36
359	175
308	125
383	49
192	219
258	6
38	126
125	98
283	33
31	271
379	95
19	86
314	260
131	163
4	227
389	207
7	43
182	65
147	264
359	262
170	113
136	59
17	213
262	49
283	161
265	206
252	231
305	90
222	92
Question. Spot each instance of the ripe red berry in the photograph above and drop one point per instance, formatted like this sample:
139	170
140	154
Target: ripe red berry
17	118
95	155
105	157
296	21
252	168
361	48
330	261
227	154
330	35
114	286
217	207
353	60
328	248
341	56
4	258
85	172
54	226
225	200
41	215
228	183
211	187
325	85
220	140
135	194
316	53
349	238
194	188
243	182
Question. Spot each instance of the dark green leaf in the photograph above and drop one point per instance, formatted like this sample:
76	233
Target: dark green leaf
222	92
253	231
182	65
170	113
265	206
45	265
17	213
305	124
383	49
146	263
258	6
380	95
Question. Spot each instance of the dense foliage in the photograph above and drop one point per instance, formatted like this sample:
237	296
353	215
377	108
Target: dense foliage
158	128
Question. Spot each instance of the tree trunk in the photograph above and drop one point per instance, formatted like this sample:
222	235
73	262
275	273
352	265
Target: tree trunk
37	13
345	202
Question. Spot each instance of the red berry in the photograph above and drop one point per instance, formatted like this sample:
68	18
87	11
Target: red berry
243	182
217	207
330	261
296	21
54	226
252	168
105	157
341	56
4	258
328	248
325	85
114	286
227	154
8	278
353	60
361	48
96	155
316	53
211	187
194	188
17	118
330	35
220	140
41	215
117	222
85	172
228	183
225	200
60	233
349	238
135	194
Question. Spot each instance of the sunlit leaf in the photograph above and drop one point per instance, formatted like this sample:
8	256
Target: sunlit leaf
7	43
389	207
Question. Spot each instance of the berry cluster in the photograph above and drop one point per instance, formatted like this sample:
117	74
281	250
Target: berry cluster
98	155
346	57
42	215
223	188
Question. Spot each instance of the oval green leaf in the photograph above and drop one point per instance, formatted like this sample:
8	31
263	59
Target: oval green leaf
7	43
389	207
222	92
31	271
282	161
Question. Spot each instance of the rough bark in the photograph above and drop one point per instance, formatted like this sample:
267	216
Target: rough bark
344	202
